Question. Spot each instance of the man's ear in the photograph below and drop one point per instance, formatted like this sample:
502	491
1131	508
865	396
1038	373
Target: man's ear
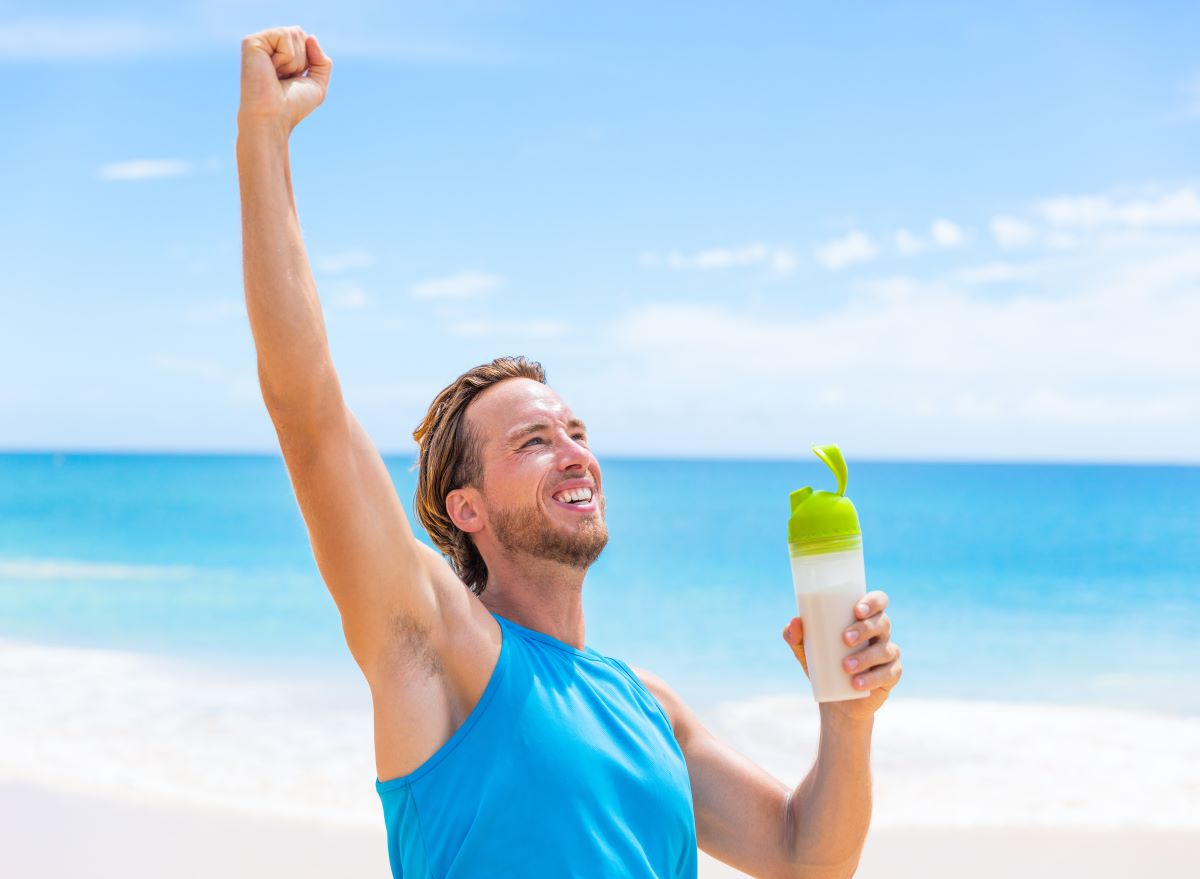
465	508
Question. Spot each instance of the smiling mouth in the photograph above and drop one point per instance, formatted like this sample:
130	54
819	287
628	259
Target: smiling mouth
582	500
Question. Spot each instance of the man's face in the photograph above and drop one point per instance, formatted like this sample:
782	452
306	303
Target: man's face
541	484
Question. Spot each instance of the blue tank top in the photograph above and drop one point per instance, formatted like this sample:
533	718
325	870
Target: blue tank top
567	766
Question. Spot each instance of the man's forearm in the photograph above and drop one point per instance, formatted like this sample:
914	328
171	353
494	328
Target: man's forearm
294	363
830	810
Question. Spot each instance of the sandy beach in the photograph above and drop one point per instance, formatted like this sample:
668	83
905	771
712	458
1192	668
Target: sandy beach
54	835
125	765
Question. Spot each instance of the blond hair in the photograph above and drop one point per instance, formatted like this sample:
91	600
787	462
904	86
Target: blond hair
449	458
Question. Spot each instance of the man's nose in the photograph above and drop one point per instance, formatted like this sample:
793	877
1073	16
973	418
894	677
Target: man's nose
574	454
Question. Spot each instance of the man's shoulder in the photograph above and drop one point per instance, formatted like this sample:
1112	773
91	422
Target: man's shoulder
681	717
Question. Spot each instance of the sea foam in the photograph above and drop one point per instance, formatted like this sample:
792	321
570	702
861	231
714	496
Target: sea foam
141	727
41	569
966	763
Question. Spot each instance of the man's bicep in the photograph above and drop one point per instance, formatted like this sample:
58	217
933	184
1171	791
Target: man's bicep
361	538
741	810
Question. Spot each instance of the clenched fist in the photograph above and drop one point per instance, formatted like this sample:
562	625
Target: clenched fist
285	75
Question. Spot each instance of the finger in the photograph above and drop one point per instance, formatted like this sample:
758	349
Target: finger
878	626
262	55
319	64
794	635
872	656
299	57
263	41
284	52
883	676
871	604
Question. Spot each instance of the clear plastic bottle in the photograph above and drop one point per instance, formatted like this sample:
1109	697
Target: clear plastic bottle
829	576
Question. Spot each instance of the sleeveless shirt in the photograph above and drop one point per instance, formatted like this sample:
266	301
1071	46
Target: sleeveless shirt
566	767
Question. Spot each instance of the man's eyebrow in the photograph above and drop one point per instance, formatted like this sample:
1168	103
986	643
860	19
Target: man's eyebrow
527	429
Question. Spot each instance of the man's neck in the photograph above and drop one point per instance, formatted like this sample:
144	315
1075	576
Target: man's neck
540	595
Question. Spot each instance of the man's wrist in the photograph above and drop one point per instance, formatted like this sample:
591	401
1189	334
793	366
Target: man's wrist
839	717
260	132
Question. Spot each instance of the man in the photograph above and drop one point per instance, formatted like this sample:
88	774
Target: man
504	746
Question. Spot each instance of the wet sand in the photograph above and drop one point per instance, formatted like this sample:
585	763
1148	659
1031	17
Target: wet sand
50	834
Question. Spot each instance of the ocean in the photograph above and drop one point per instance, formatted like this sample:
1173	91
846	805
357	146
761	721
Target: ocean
161	615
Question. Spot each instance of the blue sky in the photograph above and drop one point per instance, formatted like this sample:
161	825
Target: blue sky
919	231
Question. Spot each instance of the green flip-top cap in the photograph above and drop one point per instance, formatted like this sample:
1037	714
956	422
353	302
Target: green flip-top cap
822	521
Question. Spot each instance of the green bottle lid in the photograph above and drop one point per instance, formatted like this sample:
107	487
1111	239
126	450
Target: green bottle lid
822	521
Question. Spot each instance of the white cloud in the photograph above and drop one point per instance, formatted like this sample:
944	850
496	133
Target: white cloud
1091	360
145	169
909	244
349	296
1011	232
992	273
1050	404
64	39
333	263
942	233
719	258
946	234
464	285
215	311
783	262
1056	239
779	260
1179	208
841	252
87	39
536	328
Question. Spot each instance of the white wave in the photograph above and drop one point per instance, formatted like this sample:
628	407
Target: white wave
952	763
72	569
140	727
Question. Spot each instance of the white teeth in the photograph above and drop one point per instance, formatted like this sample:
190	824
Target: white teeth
574	495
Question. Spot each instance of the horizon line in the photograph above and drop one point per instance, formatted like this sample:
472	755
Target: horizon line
623	456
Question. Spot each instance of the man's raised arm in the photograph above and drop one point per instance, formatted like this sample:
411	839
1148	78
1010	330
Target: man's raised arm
383	580
295	369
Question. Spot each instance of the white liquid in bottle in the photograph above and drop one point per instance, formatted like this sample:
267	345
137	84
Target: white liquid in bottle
828	586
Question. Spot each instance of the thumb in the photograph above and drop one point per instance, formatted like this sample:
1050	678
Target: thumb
794	635
319	64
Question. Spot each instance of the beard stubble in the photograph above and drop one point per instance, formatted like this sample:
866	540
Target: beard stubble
527	530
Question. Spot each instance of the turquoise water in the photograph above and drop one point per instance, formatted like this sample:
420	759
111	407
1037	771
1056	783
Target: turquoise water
1076	584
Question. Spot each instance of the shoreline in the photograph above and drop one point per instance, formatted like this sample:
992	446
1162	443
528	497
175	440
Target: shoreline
144	730
143	841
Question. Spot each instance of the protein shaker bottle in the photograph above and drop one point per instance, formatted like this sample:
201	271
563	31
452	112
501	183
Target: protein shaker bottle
825	543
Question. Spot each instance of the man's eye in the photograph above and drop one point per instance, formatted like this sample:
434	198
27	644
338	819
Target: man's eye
581	437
